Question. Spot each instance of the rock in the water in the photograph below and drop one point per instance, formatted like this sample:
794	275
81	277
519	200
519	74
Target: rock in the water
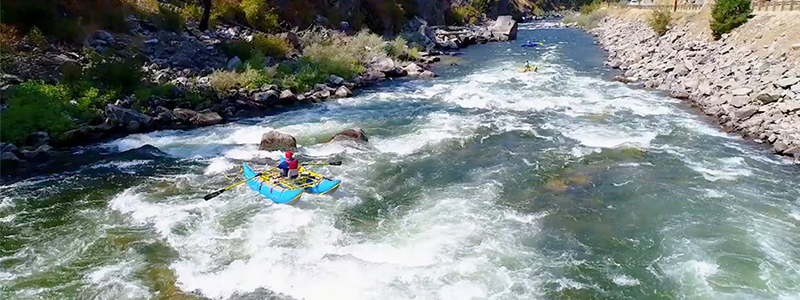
234	63
504	28
622	79
342	92
37	139
354	134
123	116
780	146
426	74
274	140
83	135
41	151
207	118
413	68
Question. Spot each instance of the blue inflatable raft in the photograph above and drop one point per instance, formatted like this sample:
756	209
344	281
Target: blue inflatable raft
537	44
285	190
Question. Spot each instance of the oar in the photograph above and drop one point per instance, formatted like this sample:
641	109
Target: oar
332	163
217	193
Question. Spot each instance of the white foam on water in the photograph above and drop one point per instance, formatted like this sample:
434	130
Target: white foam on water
725	169
6	202
434	128
128	166
218	165
603	137
300	252
693	276
625	280
117	282
795	214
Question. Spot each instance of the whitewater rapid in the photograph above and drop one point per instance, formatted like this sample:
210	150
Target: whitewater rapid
485	183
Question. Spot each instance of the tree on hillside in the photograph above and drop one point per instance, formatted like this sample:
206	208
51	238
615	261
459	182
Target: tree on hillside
206	15
729	14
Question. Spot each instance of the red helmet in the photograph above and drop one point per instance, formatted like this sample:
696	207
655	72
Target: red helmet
289	154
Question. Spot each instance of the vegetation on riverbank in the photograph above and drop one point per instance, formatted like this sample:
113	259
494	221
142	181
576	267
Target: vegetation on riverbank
729	14
659	21
588	16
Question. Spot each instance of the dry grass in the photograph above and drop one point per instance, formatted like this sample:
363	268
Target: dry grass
224	81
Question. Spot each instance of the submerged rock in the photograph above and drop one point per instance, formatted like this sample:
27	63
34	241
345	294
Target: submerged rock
273	140
353	134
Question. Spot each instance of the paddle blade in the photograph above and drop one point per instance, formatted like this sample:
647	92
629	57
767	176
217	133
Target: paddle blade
335	163
214	194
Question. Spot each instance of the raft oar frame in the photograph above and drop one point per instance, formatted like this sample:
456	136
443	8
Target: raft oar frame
230	187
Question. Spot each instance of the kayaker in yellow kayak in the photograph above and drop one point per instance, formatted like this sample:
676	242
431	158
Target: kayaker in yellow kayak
528	67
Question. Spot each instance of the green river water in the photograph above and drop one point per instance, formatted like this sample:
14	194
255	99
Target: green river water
484	183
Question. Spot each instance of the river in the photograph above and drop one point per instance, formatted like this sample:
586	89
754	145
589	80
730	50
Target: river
484	183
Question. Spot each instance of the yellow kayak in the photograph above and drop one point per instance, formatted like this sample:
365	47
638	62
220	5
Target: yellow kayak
529	69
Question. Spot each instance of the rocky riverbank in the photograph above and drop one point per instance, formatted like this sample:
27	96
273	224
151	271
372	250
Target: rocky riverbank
751	89
185	61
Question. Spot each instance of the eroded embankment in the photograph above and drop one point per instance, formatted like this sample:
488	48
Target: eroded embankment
748	79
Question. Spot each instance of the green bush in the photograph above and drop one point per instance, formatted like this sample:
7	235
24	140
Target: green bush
259	15
256	61
92	98
35	106
142	95
168	19
191	12
466	14
591	7
397	47
225	10
729	14
114	73
272	46
413	53
241	49
36	37
482	5
659	20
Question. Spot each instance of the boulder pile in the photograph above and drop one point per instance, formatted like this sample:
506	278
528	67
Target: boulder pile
748	91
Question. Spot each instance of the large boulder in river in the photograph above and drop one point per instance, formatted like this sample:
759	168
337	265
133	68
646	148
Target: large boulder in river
352	134
273	140
119	115
504	29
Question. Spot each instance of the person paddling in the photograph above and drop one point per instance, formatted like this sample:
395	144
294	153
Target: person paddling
289	166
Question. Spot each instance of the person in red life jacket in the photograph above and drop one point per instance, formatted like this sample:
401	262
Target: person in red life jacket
289	166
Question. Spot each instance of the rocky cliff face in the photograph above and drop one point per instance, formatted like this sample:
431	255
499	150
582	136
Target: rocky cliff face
750	90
